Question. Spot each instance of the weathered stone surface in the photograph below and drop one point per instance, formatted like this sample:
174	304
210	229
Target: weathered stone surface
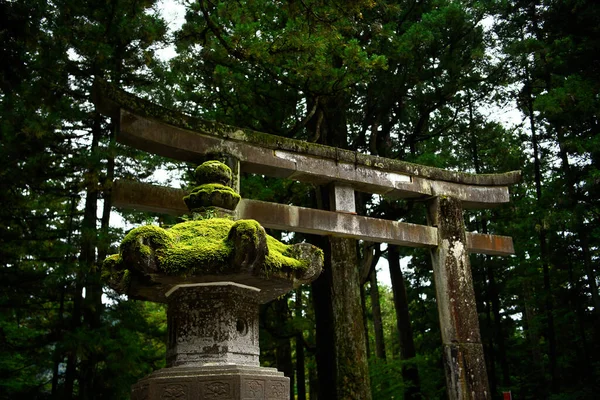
221	382
148	197
351	369
214	190
186	145
213	171
464	366
111	100
213	324
490	244
343	224
211	195
342	199
466	376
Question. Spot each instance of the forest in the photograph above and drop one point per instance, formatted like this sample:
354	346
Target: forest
480	86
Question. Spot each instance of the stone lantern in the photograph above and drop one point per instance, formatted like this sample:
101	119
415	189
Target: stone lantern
212	272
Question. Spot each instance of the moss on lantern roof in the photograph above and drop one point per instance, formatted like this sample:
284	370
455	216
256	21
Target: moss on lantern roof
212	195
195	248
213	171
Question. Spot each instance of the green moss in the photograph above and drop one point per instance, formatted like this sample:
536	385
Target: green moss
193	247
114	274
213	172
143	239
248	230
212	195
110	265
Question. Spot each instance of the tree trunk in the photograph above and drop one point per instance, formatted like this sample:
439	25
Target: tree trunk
325	350
490	356
410	373
300	367
87	260
377	320
531	332
283	351
58	354
363	304
548	296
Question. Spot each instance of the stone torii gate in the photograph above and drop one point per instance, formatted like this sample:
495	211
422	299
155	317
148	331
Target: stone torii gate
157	130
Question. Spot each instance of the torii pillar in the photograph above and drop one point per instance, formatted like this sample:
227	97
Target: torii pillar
464	363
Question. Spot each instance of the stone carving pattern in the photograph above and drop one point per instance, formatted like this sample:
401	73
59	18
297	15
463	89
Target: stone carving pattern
255	389
174	392
278	390
217	390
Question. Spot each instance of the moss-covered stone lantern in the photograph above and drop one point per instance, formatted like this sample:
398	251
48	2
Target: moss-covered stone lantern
212	272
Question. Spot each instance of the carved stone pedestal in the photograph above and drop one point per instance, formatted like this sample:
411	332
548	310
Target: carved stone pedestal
222	382
212	323
213	348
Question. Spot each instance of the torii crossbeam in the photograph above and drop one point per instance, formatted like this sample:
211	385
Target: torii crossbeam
157	130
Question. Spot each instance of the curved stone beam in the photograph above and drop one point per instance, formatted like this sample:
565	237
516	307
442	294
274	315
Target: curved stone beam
152	128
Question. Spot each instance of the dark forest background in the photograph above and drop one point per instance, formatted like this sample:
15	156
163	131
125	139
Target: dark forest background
424	81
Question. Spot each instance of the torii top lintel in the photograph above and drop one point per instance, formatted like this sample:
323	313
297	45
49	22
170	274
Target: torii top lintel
165	132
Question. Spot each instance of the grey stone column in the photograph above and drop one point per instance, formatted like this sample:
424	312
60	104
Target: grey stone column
211	324
351	365
466	375
213	348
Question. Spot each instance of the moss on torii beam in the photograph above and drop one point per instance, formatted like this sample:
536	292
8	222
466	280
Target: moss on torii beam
110	100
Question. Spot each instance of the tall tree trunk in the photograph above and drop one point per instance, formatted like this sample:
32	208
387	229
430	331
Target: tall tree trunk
492	293
58	351
352	373
583	350
283	351
313	381
300	367
363	304
532	333
498	331
548	295
325	350
92	304
377	320
490	356
410	373
87	260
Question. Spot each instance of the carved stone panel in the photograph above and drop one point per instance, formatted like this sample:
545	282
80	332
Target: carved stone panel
217	390
278	390
253	389
174	391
